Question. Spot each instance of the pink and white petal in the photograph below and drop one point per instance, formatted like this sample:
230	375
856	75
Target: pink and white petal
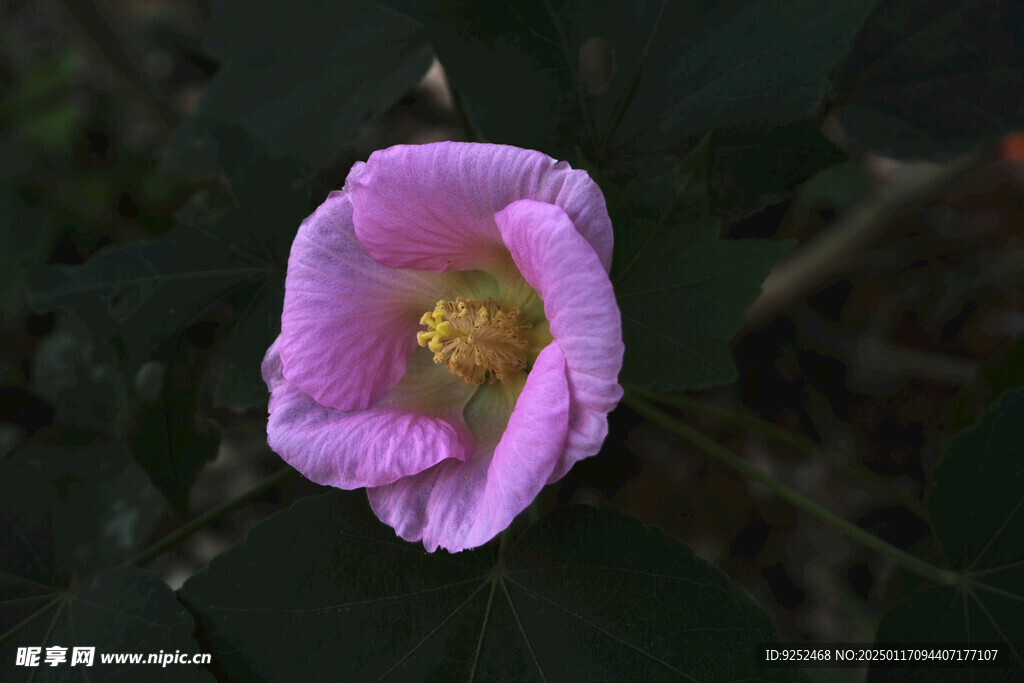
348	323
460	505
432	206
370	447
580	306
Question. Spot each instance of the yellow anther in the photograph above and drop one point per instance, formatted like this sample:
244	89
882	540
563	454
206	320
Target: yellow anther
476	340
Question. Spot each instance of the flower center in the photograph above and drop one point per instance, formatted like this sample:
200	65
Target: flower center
477	340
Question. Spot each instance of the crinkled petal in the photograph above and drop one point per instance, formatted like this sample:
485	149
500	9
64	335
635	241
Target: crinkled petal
432	206
459	505
413	427
348	323
580	306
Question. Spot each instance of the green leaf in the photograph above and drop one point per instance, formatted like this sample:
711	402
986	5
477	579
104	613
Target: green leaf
681	289
304	76
167	436
927	79
239	384
976	501
78	375
758	166
46	601
26	234
145	298
42	104
1005	374
118	610
668	71
115	506
585	595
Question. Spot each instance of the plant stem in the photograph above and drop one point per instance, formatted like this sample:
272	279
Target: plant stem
798	442
208	517
724	455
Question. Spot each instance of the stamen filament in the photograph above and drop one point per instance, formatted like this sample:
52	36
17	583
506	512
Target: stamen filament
476	340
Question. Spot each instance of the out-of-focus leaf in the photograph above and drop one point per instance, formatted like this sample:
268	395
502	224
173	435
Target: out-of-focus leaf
932	79
675	70
584	595
26	233
145	297
46	601
680	287
758	166
1007	373
78	374
303	76
43	105
114	506
167	435
976	501
238	382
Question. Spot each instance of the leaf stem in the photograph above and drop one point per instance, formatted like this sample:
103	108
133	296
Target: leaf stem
727	457
208	517
756	424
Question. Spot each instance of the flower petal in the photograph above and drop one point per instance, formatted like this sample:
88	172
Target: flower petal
349	323
432	206
580	306
413	427
458	505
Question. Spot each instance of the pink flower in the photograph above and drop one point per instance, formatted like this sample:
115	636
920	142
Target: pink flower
450	339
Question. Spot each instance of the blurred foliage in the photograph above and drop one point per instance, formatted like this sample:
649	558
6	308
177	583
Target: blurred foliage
932	79
154	302
353	59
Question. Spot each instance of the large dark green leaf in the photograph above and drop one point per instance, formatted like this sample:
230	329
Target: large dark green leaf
118	610
758	166
303	76
46	600
586	595
976	502
145	298
931	79
114	506
680	287
669	71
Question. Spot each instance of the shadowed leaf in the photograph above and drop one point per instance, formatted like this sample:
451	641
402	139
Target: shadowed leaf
584	595
976	500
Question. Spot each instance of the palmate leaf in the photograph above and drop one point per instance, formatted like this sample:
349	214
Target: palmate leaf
976	500
932	79
753	167
303	76
680	287
584	595
674	70
114	506
47	600
143	298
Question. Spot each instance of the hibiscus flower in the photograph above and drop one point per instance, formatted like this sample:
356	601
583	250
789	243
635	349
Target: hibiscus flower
450	339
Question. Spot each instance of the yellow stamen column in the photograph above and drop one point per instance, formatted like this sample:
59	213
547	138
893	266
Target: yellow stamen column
476	340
